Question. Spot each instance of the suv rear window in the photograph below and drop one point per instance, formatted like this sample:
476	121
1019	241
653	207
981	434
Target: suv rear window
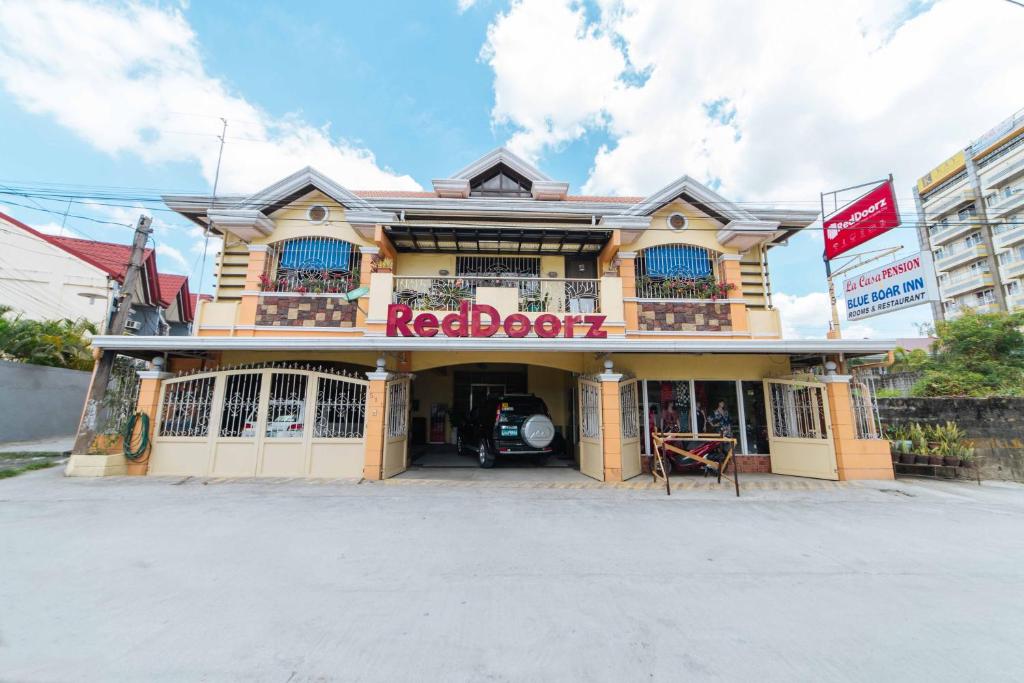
522	405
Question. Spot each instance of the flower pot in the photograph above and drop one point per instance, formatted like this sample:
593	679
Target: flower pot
907	458
921	459
950	460
934	459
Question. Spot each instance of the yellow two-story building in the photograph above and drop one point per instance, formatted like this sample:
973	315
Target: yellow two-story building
352	331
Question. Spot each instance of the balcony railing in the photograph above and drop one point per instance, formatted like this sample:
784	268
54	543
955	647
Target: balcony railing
1011	268
957	257
1008	234
942	204
1007	204
941	234
534	295
966	283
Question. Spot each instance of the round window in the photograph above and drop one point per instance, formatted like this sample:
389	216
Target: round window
677	221
317	213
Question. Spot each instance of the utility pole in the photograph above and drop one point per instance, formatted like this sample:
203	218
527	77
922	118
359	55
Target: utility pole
116	325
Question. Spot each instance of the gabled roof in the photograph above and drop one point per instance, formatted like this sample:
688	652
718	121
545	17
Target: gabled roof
698	194
175	287
285	191
109	257
500	156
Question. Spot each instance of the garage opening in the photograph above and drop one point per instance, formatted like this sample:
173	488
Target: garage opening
494	416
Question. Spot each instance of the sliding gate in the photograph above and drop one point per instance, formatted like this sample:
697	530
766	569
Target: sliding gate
799	431
245	422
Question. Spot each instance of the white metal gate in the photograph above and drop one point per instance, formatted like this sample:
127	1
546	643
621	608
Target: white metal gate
799	431
591	443
629	407
277	421
396	427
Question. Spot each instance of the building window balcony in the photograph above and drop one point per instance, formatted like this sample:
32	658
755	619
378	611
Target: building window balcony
511	294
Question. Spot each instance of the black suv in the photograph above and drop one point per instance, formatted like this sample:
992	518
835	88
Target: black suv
509	424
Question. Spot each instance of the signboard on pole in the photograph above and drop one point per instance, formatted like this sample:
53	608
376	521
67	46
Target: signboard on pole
906	283
862	219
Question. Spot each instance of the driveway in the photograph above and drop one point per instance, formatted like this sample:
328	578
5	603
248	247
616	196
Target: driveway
173	580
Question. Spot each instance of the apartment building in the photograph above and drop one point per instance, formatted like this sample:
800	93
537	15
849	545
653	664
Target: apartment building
971	216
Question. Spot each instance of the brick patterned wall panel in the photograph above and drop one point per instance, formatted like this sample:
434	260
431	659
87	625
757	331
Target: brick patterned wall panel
305	311
684	316
754	464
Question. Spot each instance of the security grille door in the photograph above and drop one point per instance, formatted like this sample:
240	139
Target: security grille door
799	431
629	406
591	444
396	427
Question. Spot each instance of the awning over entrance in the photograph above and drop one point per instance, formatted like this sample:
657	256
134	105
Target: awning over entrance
506	240
439	343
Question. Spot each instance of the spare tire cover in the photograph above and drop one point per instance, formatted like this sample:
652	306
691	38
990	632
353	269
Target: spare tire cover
537	431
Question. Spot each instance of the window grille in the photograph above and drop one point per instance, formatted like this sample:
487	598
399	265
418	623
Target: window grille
677	271
286	413
498	266
398	408
315	265
186	407
865	411
590	410
629	411
798	412
241	404
340	410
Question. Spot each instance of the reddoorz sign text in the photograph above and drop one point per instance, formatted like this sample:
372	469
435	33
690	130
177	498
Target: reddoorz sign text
481	320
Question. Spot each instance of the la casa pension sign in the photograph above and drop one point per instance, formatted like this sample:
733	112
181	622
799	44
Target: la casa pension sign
903	284
481	320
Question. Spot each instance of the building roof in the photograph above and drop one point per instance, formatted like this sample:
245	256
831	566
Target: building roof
112	259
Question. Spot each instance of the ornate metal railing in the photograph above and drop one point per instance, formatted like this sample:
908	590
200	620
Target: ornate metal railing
540	295
679	271
311	265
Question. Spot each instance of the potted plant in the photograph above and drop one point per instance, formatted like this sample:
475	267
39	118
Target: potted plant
919	444
382	265
966	456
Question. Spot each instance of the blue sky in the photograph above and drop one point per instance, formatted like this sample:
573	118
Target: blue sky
767	105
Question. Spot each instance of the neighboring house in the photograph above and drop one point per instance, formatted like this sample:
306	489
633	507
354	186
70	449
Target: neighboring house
348	324
49	276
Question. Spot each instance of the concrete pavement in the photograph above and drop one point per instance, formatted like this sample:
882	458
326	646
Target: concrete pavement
180	579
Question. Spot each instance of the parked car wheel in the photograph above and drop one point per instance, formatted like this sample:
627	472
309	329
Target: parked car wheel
485	455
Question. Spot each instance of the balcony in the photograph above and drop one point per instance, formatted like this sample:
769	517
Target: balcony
1011	270
960	257
1008	204
944	234
507	294
1002	174
946	202
987	307
1007	235
1015	302
965	283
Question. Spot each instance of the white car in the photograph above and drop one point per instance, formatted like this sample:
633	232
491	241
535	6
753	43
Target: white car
287	426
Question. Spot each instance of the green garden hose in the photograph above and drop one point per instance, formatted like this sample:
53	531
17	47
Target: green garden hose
143	440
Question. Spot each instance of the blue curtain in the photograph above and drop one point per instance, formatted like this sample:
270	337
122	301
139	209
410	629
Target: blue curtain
677	260
316	253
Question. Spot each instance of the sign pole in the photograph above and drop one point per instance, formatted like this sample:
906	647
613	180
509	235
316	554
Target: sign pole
833	330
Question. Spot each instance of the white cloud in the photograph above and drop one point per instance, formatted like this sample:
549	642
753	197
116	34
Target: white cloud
130	78
464	5
778	100
807	317
554	74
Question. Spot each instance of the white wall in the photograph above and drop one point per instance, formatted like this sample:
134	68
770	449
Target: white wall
42	281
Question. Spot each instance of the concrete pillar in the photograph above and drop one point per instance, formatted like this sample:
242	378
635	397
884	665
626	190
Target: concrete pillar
366	257
150	382
627	271
376	403
731	274
258	254
855	458
611	423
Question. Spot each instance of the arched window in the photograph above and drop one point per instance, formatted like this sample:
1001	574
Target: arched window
316	265
677	271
